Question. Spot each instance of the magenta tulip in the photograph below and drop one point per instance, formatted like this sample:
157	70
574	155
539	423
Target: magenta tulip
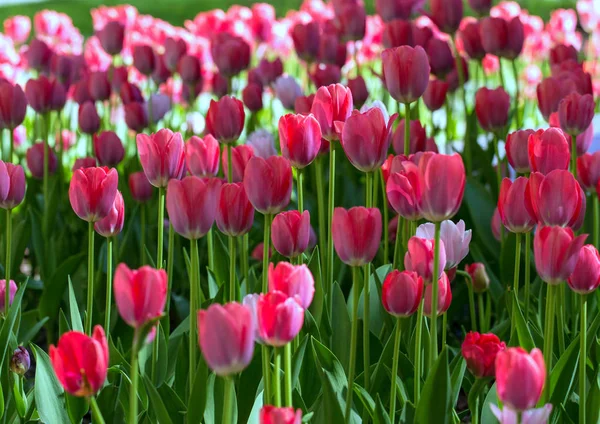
356	234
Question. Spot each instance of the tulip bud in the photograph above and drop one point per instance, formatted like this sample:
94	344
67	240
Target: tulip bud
144	59
356	234
252	97
588	170
332	104
175	49
136	117
99	86
402	195
306	40
405	72
455	238
280	318
548	150
470	36
446	14
440	57
220	85
556	251
576	113
434	96
287	91
479	277
503	38
111	37
520	377
273	415
517	150
420	257
92	192
20	361
480	352
235	213
401	293
396	33
108	148
38	55
161	73
130	93
417	138
295	281
359	91
162	156
514	213
230	53
290	232
202	156
139	187
12	290
86	162
35	160
39	94
268	183
549	94
12	185
112	224
444	296
89	121
225	119
332	50
240	156
492	107
189	69
13	105
299	139
586	275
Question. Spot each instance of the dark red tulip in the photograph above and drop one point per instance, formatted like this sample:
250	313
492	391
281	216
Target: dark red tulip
360	94
586	275
139	187
136	116
332	104
268	183
482	7
143	59
406	72
452	78
434	96
356	234
230	53
492	108
470	36
303	104
39	94
306	40
396	33
576	113
174	50
269	71
61	67
332	50
13	105
517	151
325	74
588	170
514	213
235	213
108	148
89	121
12	185
220	85
38	55
548	150
252	97
563	53
92	192
58	95
446	14
421	35
86	162
397	9
98	86
352	20
189	69
80	91
202	156
162	156
503	38
161	73
299	139
225	119
419	142
130	93
440	57
111	37
290	233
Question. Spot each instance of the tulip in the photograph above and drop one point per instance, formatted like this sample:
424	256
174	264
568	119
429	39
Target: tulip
303	104
576	113
162	156
397	9
290	232
503	38
140	294
230	53
398	32
480	6
588	170
80	362
532	416
12	290
440	57
496	225
548	150
331	104
418	138
562	53
280	318
192	205
492	107
420	258
39	94
35	161
17	28
273	415
130	93
268	183
299	139
269	71
434	96
325	74
549	94
240	156
356	234
89	121
470	36
555	199
86	162
446	14
92	192
556	251
13	105
479	277
421	35
20	361
444	297
108	148
401	293
287	91
99	86
175	49
144	59
517	151
359	91
405	72
235	213
402	195
352	20
392	164
112	224
262	143
111	37
520	377
225	119
455	238
38	55
295	281
202	156
252	97
514	213
480	352
12	185
189	69
586	275
139	187
306	40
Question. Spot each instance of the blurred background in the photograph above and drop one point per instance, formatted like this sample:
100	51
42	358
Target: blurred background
177	11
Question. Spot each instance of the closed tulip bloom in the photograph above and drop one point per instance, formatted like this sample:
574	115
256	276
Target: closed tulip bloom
446	14
268	183
492	107
80	362
405	72
332	104
130	93
402	195
225	119
562	53
139	187
517	151
444	296
391	165
269	71
548	150
144	59
576	113
586	275
273	415
514	213
12	185
112	224
440	57
89	121
86	162
520	377
532	416
420	258
455	237
434	96
401	293
226	337
398	32
111	37
99	86
202	156
303	104
356	234
481	6
359	90
38	55
20	361
175	49
290	233
280	318
299	139
252	97
192	205
549	94
588	170
306	40
92	192
39	94
295	281
240	156
353	21
503	38
555	199
325	74
189	69
556	251
162	156
480	352
230	53
108	148
13	105
12	287
397	9
140	294
35	160
479	278
235	213
418	137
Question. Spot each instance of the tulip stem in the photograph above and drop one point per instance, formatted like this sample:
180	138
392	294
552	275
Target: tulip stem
461	82
596	203
582	357
143	234
433	347
133	400
211	249
300	191
266	250
406	129
469	281
90	292
321	210
7	264
11	147
44	122
244	258
161	227
498	174
109	281
330	219
397	244
482	320
418	352
266	365
516	282
96	413
287	364
228	401
395	370
170	255
574	155
353	341
229	164
277	376
549	333
560	316
232	257
444	328
194	305
386	219
516	77
527	271
367	302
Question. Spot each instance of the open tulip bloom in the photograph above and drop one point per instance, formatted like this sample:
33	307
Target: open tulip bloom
354	211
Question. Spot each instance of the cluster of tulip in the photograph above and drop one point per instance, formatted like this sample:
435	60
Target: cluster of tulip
196	112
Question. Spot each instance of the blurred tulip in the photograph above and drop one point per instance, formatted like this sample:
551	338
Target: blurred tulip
520	377
444	296
295	281
418	138
479	277
262	143
189	69
175	49
586	275
99	86
480	352
35	161
290	232
118	75
434	96
531	416
225	119
63	68
112	224
140	187
420	258
13	105
39	94
360	94
352	21
441	59
548	150
130	93
111	37
515	216
556	251
562	53
86	162
20	361
240	156
252	97
89	121
396	33
287	91
269	71
17	28
268	183
144	59
401	293
273	415
517	151
481	7
397	9
496	225
235	213
549	94
12	290
108	148
202	156
280	318
332	104
161	73
38	55
492	108
230	53
12	185
470	36
405	72
446	14
332	50
576	113
162	156
306	40
356	234
502	38
455	237
588	170
325	74
92	192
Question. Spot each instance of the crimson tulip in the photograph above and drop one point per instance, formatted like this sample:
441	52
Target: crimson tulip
13	105
503	38
86	162
402	195
548	150
401	293
405	72
108	148
235	213
491	108
38	55
419	142
356	234
480	352
446	14
359	90
230	53
434	96
280	318
398	32
576	113
517	151
295	281
240	156
588	170
252	97
92	192
440	57
35	161
268	183
225	119
586	275
470	36
514	213
175	49
269	71
562	53
299	139
397	9
139	187
273	415
290	233
332	104
111	37
162	156
556	251
306	40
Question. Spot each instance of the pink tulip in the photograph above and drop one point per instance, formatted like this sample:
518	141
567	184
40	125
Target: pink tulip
402	195
108	148
112	224
576	113
273	415
17	28
299	139
235	213
556	251
588	170
35	161
402	293
162	156
356	234
444	296
520	377
514	213
268	183
332	104
12	288
280	318
479	277
290	232
92	192
586	275
405	72
517	151
240	156
139	187
420	258
225	119
12	185
295	281
202	156
532	416
548	150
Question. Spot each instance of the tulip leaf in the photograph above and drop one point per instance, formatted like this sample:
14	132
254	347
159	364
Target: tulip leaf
366	399
487	417
481	207
333	380
1	401
314	264
156	403
298	359
38	244
54	287
250	380
563	374
30	326
76	323
456	378
435	403
593	400
77	407
49	394
342	324
525	338
378	375
197	399
381	415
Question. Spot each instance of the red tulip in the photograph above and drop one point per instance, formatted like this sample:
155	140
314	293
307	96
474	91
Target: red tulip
420	258
112	224
586	275
39	94
397	9
492	107
280	318
391	165
562	53
92	192
86	162
446	14
332	50
440	57
548	150
503	38
332	104
12	185
252	97
325	74
230	53
496	224
202	156
401	193
140	294
13	105
235	213
144	59
418	139
38	55
401	293
517	150
268	183
520	377
550	92
35	160
130	93
162	156
480	352
556	251
444	296
290	232
161	73
81	362
306	40
108	148
240	156
482	7
111	37
273	415
515	216
421	35
99	86
405	72
225	119
588	170
352	21
299	139
12	290
555	199
174	50
189	69
479	277
576	113
140	187
89	121
359	91
192	205
295	281
269	71
398	32
356	234
434	96
226	337
64	69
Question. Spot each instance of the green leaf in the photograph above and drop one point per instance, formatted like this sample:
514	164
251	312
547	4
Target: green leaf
381	415
365	398
76	323
77	407
342	324
525	338
487	417
593	400
49	394
173	403
563	374
456	378
297	360
197	400
9	323
481	207
156	403
334	382
30	326
435	402
314	264
54	287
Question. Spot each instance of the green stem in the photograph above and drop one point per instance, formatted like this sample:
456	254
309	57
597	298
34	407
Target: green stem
527	270
516	282
582	357
407	129
229	164
11	148
161	227
574	155
266	248
367	299
330	218
433	346
517	93
287	364
560	304
90	288
498	166
232	279
143	234
353	341
549	334
133	398
482	321
211	249
44	122
461	83
266	368
469	281
321	211
386	220
444	328
418	352
109	281
395	371
170	260
244	258
300	191
398	242
8	263
277	376
474	397
228	401
194	305
596	203
97	417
